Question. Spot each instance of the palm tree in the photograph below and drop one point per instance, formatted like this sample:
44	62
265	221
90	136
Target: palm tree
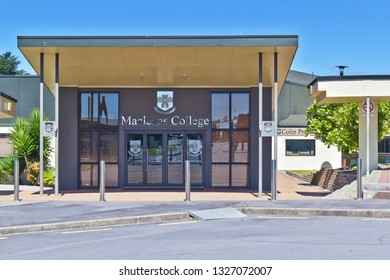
24	138
22	142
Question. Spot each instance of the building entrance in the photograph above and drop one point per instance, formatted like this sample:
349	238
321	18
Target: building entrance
157	158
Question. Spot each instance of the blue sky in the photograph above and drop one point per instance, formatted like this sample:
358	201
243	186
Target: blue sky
353	33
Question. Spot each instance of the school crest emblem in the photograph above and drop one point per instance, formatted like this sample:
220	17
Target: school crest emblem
165	102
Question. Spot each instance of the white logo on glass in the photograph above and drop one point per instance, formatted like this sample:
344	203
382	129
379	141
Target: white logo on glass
164	102
135	148
195	147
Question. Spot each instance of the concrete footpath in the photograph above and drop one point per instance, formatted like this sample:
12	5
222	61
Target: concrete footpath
71	210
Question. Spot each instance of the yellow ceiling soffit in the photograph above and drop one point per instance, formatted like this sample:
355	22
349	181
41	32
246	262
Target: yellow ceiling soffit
121	67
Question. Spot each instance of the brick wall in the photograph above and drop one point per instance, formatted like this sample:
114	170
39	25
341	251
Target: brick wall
332	180
329	179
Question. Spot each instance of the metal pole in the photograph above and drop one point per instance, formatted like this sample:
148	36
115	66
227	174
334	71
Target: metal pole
41	163
102	180
187	184
260	124
275	137
16	180
273	189
57	146
359	179
368	136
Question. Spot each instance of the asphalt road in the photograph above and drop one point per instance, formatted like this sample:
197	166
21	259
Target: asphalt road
273	238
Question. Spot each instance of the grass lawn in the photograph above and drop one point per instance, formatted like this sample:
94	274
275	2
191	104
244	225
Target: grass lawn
303	172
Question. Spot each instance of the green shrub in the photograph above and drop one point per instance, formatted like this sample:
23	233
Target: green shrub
7	169
49	176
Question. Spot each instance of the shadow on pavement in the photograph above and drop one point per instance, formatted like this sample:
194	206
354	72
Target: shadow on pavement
316	194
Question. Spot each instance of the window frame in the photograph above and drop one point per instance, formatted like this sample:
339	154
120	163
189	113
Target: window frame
98	128
313	141
230	130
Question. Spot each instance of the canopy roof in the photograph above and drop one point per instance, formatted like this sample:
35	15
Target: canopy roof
184	61
346	89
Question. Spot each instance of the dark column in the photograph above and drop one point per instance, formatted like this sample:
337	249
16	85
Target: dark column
41	163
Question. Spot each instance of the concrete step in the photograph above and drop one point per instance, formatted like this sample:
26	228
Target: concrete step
374	176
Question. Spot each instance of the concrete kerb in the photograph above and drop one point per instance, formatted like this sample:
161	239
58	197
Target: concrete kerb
364	213
95	223
183	216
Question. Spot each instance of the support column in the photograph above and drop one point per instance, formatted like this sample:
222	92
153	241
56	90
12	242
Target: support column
275	137
260	124
368	137
57	102
41	160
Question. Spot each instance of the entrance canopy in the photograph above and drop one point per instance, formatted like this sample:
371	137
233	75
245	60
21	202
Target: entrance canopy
185	61
346	89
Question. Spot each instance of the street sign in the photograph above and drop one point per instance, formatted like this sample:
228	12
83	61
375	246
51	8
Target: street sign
364	109
48	128
268	129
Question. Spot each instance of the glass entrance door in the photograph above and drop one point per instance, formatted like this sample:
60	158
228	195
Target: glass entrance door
135	159
195	156
154	162
175	158
158	158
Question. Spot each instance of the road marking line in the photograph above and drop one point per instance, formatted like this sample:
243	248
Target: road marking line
86	231
280	217
3	238
376	219
177	223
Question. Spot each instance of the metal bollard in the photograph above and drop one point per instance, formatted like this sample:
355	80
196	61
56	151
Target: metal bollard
359	179
16	180
102	180
187	184
273	183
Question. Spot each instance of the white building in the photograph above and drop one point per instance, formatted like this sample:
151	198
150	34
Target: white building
295	150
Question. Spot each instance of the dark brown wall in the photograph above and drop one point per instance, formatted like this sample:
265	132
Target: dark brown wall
68	138
140	102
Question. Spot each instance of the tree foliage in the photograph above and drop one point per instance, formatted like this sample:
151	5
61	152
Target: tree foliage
9	65
338	124
25	140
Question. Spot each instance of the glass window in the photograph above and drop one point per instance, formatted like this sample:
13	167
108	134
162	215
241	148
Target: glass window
300	147
89	141
230	138
111	175
108	109
109	146
384	145
240	146
220	177
220	146
220	110
89	175
99	114
240	110
89	110
240	175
